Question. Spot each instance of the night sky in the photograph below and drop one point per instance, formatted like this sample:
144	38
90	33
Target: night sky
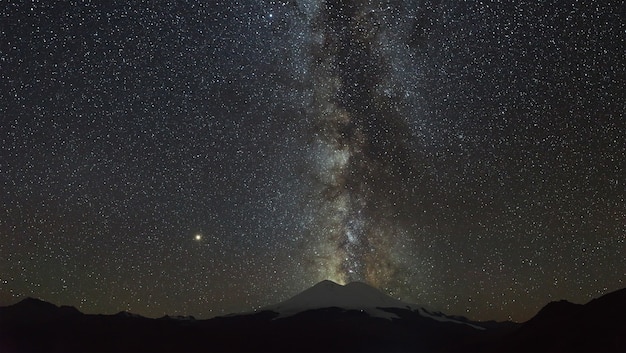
209	157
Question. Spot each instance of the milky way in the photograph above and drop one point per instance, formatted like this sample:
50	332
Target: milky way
207	157
364	168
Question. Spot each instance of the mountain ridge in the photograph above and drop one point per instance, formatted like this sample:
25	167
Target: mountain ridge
34	325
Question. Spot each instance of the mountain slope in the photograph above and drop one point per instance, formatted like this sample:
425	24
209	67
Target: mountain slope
356	296
327	317
598	326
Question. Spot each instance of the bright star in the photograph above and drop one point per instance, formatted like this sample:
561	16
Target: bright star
197	237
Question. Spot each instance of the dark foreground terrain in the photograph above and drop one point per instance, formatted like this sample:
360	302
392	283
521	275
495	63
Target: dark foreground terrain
37	326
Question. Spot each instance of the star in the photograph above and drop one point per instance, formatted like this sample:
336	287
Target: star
439	150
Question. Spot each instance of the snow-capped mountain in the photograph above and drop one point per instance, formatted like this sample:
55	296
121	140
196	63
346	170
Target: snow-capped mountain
354	296
327	317
328	294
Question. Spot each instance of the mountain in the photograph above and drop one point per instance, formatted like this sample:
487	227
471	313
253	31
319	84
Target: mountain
356	296
598	326
358	317
327	317
32	310
327	294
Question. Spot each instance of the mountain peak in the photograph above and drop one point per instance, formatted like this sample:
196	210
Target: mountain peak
354	296
328	294
34	301
326	284
35	304
128	314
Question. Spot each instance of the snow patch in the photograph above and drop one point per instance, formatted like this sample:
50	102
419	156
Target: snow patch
443	318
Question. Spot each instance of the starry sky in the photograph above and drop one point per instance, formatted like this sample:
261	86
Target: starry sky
209	157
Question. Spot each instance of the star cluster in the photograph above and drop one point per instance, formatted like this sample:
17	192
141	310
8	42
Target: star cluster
201	158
